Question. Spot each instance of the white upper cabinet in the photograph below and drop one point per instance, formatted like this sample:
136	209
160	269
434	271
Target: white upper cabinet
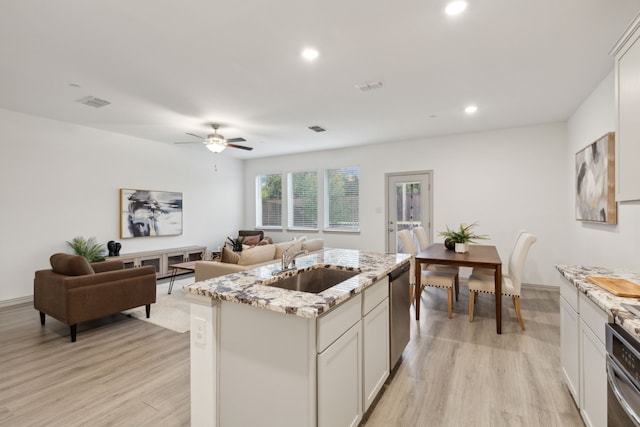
627	87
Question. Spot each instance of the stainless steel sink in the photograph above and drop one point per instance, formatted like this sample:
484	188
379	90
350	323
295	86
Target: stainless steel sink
313	281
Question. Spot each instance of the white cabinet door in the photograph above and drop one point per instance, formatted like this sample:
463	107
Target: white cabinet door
593	380
570	348
340	381
375	326
627	67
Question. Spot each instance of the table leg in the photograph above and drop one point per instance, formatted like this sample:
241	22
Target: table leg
498	279
173	278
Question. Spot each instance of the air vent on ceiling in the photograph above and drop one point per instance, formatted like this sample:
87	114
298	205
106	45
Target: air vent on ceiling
317	128
369	86
93	101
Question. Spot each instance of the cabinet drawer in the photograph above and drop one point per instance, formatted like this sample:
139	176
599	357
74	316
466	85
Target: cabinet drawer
375	294
570	293
594	317
336	322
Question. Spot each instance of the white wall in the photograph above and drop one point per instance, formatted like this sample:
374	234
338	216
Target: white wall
505	179
596	244
60	181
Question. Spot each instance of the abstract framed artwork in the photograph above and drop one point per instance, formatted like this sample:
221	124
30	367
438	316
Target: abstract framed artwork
595	182
145	213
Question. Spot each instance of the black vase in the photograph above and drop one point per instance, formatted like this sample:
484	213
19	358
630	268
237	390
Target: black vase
111	245
117	247
449	244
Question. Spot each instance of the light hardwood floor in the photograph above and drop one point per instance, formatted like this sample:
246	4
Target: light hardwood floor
126	372
455	373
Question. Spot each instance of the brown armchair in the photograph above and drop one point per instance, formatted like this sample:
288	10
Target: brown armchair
74	291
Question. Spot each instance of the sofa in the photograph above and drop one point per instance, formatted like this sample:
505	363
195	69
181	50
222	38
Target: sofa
75	291
256	256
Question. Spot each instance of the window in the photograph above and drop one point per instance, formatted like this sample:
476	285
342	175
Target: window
342	199
302	200
269	200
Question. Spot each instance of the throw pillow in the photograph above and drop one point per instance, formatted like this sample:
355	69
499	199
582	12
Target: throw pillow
229	256
70	265
257	255
313	244
251	240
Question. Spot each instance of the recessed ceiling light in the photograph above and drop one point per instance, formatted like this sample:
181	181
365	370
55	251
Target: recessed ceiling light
310	54
455	7
471	109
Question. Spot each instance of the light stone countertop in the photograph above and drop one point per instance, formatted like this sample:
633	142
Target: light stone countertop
577	275
245	288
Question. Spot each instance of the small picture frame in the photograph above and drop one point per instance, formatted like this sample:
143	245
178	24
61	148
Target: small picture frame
595	182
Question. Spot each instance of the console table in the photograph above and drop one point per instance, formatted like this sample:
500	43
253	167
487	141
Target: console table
161	259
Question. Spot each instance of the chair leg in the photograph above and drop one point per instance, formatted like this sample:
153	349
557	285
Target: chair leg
472	300
449	301
74	332
457	283
516	304
412	297
41	318
148	310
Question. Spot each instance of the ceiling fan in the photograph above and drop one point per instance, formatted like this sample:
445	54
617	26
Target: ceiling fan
216	142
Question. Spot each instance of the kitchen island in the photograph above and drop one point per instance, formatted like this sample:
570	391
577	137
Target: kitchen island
261	355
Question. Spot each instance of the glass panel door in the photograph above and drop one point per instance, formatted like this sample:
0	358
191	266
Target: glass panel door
408	205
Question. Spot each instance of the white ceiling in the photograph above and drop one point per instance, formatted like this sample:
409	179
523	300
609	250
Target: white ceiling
169	67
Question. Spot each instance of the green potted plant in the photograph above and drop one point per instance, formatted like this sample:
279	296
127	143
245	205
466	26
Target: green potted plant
236	244
91	250
461	237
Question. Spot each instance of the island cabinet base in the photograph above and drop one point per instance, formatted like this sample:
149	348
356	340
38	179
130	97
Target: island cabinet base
260	370
252	366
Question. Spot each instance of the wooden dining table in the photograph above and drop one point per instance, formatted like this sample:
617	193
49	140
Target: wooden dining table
481	256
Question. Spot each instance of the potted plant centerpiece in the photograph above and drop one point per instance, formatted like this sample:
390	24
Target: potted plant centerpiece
461	237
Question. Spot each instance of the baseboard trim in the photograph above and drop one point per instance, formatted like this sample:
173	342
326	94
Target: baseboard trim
540	287
16	301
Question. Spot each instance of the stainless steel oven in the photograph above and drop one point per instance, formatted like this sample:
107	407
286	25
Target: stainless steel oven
623	378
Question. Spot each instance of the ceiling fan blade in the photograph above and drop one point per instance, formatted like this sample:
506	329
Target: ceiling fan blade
236	140
193	134
242	147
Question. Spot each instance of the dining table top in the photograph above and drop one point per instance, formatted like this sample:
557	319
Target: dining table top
478	255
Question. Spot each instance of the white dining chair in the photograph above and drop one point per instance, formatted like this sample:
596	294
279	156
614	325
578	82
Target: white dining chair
511	283
437	279
423	243
505	271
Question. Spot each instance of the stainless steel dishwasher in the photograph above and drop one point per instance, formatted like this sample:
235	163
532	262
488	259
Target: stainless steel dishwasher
399	317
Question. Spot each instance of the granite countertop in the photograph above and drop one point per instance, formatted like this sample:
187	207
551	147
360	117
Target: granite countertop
609	302
245	288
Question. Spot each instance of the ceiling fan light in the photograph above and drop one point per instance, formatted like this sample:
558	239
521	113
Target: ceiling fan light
215	148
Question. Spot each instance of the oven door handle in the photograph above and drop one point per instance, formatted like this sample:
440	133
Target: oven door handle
614	373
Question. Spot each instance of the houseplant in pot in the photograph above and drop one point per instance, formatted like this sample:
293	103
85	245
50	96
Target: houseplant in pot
461	237
90	249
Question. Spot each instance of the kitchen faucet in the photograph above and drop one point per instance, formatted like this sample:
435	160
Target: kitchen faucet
289	261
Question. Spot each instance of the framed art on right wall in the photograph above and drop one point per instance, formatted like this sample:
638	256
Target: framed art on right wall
595	182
